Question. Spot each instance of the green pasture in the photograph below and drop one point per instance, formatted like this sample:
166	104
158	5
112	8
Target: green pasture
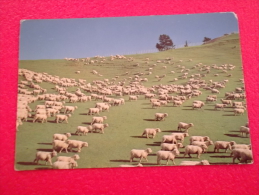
127	122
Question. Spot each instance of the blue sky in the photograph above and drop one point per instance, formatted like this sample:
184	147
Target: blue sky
78	38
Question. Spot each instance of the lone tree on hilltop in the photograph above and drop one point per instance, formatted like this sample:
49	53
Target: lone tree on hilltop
186	44
206	39
165	43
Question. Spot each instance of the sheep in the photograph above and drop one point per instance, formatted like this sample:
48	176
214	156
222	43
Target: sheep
169	138
228	102
76	144
236	154
223	145
206	143
138	165
199	138
45	156
180	136
23	115
60	144
245	156
156	104
190	149
62	118
210	99
203	162
241	146
170	147
136	153
151	131
239	111
198	105
69	159
62	137
244	130
70	109
215	91
160	116
64	165
97	119
83	130
42	117
177	103
221	106
133	97
167	155
185	126
99	126
94	111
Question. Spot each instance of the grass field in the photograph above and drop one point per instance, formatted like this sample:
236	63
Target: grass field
127	122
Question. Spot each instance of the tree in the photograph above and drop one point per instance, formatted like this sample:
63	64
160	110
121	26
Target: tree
186	44
206	39
165	43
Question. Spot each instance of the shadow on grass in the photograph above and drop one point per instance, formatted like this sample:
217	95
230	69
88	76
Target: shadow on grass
228	111
26	163
148	164
121	161
42	168
151	154
153	144
149	119
83	114
172	131
138	137
235	131
212	110
45	150
86	123
145	104
188	106
46	143
232	135
189	109
53	122
221	156
147	108
228	115
222	163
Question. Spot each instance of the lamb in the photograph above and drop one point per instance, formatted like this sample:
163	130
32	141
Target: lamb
94	111
203	162
42	117
83	130
139	165
244	130
62	118
45	156
60	144
206	143
99	126
160	116
76	144
136	153
170	147
62	137
190	149
199	138
167	155
70	109
64	165
223	145
151	131
185	126
180	136
97	119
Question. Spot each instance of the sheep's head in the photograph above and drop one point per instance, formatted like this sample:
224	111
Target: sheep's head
106	125
68	115
232	143
158	130
148	150
139	165
68	134
191	125
176	152
104	117
75	107
85	144
186	134
180	145
54	153
205	162
165	115
76	157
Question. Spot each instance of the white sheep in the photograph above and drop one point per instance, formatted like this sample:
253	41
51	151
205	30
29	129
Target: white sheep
64	165
167	155
239	111
190	149
245	156
58	144
151	131
94	111
42	117
69	159
97	119
62	118
203	162
160	116
62	137
177	103
221	106
236	153
138	165
244	131
83	130
169	138
99	126
241	146
45	156
133	97
180	136
136	153
199	143
70	109
76	144
170	147
156	104
185	126
223	145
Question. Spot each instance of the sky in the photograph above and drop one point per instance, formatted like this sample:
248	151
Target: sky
88	37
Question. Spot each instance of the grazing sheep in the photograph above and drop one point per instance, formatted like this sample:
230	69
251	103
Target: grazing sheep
244	131
99	126
94	111
76	144
42	117
69	159
83	130
177	103
160	116
203	162
62	118
170	147
223	145
139	165
239	111
136	153
70	109
62	137
45	156
245	156
241	146
221	106
236	154
190	149
97	119
60	144
214	91
180	136
199	138
206	143
151	131
133	97
156	104
185	126
167	155
169	138
228	102
64	165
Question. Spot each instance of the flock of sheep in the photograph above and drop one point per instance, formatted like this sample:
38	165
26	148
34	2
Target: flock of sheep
107	94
